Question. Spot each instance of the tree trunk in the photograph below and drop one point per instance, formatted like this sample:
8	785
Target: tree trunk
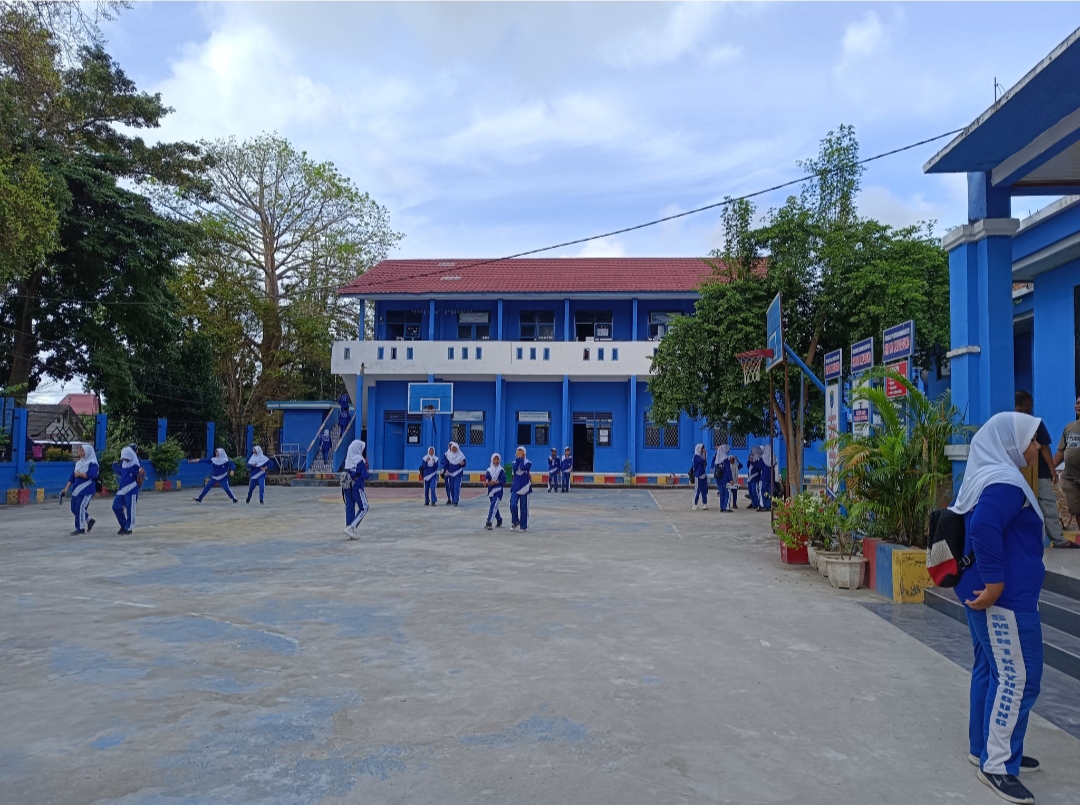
25	347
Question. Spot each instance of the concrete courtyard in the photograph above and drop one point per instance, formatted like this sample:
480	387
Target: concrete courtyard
626	650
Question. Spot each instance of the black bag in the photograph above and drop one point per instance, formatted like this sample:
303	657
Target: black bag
945	557
691	473
98	486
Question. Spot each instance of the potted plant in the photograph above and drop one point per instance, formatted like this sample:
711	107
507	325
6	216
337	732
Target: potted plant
846	571
166	458
794	526
26	480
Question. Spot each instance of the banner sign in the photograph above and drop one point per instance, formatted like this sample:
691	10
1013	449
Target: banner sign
832	430
834	365
468	416
473	317
534	416
894	390
898	342
862	356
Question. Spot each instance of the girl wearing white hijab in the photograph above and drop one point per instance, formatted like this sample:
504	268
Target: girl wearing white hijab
520	489
1000	593
701	477
355	475
721	468
453	467
221	468
767	465
131	475
753	477
429	474
83	484
259	463
494	480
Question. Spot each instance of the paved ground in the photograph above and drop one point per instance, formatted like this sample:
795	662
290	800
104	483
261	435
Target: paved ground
627	650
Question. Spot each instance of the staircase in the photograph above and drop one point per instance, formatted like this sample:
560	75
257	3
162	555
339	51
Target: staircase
1059	606
320	466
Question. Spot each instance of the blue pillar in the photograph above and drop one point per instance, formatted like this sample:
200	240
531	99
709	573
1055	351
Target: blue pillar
358	429
499	325
566	416
566	320
162	430
632	434
500	403
249	439
210	446
633	323
363	320
18	441
431	320
374	460
101	424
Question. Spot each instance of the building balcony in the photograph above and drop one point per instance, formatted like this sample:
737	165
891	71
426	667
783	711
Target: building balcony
480	360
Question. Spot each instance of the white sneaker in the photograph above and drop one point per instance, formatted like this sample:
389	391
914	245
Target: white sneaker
349	532
695	507
706	507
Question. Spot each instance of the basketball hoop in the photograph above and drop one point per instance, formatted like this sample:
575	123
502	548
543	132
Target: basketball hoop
428	412
751	364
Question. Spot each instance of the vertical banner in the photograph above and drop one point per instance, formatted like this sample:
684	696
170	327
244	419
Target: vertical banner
862	359
832	430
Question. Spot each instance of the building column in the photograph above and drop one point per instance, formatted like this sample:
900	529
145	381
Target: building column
632	430
566	320
567	418
363	320
634	323
431	320
372	427
500	404
210	439
162	430
499	323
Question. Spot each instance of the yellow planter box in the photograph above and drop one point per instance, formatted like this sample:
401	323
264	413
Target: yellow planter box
13	497
159	485
39	495
909	576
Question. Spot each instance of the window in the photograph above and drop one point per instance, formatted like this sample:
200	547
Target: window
537	325
393	353
403	325
408	353
380	353
412	433
665	435
464	353
520	353
585	354
547	353
470	432
738	442
473	332
530	434
459	432
450	353
659	324
532	353
614	353
479	353
592	325
600	354
719	435
524	436
348	353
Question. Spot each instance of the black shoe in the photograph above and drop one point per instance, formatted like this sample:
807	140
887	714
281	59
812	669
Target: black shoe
248	500
76	532
262	502
121	532
449	503
126	532
498	524
1027	764
90	525
1007	787
487	526
197	500
236	500
1065	545
455	505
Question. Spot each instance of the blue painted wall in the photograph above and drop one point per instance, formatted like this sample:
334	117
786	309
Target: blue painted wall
521	396
1053	352
299	427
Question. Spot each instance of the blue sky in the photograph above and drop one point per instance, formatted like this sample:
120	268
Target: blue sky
488	129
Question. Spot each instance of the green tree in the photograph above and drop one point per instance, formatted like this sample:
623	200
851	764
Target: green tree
842	278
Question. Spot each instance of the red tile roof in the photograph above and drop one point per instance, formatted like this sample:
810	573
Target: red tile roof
545	275
82	404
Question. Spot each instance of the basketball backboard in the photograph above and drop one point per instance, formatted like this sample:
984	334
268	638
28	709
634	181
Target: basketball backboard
774	321
426	396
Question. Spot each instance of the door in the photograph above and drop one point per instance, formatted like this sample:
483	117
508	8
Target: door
394	446
583	446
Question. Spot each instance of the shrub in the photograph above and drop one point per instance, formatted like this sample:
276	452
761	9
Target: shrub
166	457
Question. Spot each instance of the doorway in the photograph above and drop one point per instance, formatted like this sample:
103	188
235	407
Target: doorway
394	445
584	446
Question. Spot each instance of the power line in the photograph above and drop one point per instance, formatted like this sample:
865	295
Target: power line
564	244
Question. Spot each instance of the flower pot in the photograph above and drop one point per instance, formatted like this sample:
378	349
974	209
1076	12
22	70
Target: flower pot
105	492
166	486
847	573
812	555
23	496
40	496
823	561
159	485
12	497
793	556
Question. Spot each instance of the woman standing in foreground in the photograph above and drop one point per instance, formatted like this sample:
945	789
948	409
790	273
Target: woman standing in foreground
83	485
1000	592
356	502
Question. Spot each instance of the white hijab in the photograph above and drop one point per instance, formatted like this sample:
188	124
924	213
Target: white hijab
430	458
258	457
455	458
767	456
721	453
128	458
524	457
83	464
355	454
220	456
699	449
494	470
755	452
997	453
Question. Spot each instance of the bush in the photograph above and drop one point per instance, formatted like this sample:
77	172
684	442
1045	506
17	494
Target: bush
56	454
809	517
166	457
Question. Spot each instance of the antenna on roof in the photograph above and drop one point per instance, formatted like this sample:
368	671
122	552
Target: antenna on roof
997	87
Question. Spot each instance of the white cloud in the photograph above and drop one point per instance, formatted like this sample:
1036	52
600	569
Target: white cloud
865	37
945	206
688	27
722	54
605	247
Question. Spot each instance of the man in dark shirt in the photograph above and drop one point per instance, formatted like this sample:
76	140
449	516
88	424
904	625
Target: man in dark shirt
1025	404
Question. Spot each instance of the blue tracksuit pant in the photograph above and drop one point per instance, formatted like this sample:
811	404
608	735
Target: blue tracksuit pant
356	506
80	507
431	485
123	507
1005	680
702	491
553	480
519	510
565	478
493	509
259	482
453	488
223	483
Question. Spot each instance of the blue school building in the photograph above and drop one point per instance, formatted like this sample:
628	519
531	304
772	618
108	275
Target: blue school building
1021	272
543	353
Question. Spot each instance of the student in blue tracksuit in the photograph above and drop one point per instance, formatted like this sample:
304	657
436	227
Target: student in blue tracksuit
565	468
131	475
767	469
343	422
325	443
494	480
343	403
701	477
721	470
520	489
429	474
1000	593
733	487
453	466
259	463
355	496
753	477
221	468
554	465
83	484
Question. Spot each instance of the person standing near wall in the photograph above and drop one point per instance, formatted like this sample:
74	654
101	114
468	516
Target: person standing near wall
767	470
131	474
354	477
1068	450
701	477
258	464
453	469
495	481
753	477
566	466
83	485
1000	594
520	489
1048	476
553	470
429	474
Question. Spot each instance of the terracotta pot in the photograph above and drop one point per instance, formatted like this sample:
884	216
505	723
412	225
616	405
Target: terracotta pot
167	486
23	496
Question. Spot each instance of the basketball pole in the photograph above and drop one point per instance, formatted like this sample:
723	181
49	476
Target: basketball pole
772	430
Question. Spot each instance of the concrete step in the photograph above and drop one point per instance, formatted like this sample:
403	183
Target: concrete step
1061	648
